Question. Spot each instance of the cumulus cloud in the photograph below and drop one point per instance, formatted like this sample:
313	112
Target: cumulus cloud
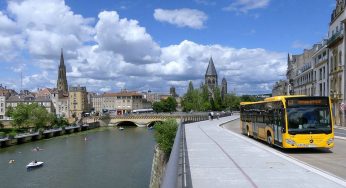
118	53
182	17
252	67
245	5
125	37
48	26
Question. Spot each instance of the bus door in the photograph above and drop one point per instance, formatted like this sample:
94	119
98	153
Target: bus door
278	125
254	124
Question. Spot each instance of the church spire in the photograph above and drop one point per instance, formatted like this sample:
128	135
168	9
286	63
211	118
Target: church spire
62	58
211	71
62	81
211	76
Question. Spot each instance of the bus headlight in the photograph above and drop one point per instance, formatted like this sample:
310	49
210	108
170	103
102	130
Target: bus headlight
330	140
290	142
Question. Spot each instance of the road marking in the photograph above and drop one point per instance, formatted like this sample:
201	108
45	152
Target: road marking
311	168
339	133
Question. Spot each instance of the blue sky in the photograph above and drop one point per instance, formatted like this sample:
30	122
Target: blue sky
141	45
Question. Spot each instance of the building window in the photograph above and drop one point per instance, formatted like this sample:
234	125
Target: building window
340	58
320	74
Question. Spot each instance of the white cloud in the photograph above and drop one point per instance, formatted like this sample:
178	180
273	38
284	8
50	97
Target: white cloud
118	53
125	37
255	67
182	17
244	6
48	26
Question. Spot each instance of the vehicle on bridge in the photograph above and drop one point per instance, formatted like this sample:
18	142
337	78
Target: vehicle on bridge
142	111
295	121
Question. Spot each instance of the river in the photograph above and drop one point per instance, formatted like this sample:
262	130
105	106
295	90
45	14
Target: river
105	157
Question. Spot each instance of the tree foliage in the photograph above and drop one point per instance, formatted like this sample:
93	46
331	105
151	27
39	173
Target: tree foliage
9	111
200	100
165	134
165	105
59	121
30	115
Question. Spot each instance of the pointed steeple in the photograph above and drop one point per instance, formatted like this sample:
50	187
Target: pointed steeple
211	71
62	59
62	81
211	77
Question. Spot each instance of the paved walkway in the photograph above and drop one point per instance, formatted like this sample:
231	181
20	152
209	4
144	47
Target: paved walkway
221	158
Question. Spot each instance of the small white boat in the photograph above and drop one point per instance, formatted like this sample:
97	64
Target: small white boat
121	128
34	164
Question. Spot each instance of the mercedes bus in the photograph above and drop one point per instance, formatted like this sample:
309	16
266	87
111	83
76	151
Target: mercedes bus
289	121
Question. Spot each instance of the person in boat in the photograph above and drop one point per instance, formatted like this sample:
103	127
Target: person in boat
35	161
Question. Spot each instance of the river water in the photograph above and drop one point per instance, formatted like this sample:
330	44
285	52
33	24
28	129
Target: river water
105	157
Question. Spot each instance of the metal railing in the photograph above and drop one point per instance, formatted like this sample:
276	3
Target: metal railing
170	178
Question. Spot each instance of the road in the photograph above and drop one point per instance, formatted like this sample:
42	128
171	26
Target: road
332	161
340	132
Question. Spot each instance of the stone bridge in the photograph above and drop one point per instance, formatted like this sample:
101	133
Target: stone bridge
147	120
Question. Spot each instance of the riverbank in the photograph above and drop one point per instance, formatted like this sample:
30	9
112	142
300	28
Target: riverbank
46	134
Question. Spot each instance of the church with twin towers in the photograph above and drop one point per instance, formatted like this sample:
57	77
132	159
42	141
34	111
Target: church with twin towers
211	80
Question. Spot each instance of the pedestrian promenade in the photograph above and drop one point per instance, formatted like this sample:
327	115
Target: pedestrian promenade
220	158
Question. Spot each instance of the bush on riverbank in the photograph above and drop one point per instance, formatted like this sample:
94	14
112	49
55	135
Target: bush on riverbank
165	134
2	135
12	134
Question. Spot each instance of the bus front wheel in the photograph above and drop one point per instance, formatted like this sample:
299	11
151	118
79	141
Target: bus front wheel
269	139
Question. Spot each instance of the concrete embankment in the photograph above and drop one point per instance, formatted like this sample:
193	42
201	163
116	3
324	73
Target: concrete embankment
158	168
30	137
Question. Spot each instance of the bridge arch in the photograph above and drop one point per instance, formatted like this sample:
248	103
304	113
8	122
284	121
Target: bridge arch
151	124
126	124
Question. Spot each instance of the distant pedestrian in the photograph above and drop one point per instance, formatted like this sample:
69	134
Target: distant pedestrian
209	115
217	115
212	115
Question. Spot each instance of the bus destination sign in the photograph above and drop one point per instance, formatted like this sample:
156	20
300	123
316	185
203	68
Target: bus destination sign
305	102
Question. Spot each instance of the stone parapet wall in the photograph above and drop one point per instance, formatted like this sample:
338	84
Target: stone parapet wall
158	168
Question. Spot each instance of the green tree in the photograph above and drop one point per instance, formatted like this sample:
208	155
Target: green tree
165	105
248	98
190	88
59	121
158	106
20	115
38	116
232	101
25	115
217	99
165	133
9	111
170	104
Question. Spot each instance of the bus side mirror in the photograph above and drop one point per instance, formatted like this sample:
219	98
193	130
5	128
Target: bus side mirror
283	130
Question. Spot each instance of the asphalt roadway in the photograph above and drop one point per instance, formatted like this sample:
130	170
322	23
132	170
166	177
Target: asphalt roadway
332	161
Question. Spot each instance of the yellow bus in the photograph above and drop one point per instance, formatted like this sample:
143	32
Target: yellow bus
294	121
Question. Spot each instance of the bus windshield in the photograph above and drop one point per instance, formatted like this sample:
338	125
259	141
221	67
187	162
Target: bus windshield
309	120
